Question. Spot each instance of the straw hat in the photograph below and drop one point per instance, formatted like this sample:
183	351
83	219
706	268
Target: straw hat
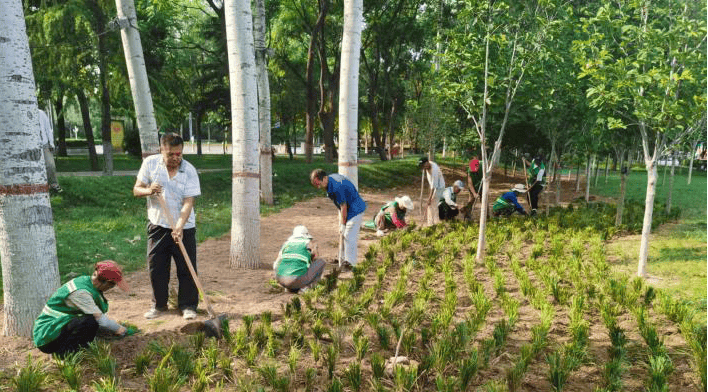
519	188
405	202
300	231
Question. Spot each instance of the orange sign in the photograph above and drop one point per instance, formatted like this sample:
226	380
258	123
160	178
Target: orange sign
117	134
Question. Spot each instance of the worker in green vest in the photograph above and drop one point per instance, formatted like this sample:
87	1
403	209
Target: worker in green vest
536	179
74	313
297	266
392	215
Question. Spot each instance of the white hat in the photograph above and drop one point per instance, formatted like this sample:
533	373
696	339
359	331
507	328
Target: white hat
459	184
519	188
300	231
405	202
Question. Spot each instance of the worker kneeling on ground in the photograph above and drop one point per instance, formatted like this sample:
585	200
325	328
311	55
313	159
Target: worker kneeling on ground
75	312
447	207
297	267
507	203
392	215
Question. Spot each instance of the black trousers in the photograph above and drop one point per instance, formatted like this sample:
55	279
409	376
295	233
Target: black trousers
161	248
533	195
446	212
78	333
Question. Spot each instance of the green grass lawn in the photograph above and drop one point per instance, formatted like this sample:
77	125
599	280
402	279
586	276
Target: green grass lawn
677	251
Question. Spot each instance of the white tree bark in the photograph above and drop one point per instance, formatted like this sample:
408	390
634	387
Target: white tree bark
650	163
693	155
27	242
349	90
266	159
674	158
245	215
137	75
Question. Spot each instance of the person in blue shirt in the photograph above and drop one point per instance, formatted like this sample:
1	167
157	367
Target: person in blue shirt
351	208
507	203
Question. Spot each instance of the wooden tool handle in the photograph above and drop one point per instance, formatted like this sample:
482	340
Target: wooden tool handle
187	260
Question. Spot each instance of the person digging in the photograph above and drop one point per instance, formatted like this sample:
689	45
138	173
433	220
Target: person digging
297	267
392	215
537	178
508	203
447	207
76	312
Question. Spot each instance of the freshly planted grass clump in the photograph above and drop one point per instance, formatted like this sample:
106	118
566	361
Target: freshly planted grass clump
31	377
70	368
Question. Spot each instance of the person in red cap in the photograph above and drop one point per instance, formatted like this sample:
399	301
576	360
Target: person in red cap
74	313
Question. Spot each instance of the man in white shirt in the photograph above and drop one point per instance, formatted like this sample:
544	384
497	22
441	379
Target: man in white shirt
447	207
436	182
46	138
169	175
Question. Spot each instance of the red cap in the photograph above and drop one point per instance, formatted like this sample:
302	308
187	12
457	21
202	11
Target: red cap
109	270
474	165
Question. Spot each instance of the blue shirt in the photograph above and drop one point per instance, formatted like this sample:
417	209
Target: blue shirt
342	191
507	199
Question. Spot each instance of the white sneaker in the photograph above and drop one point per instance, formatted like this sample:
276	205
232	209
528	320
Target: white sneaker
189	314
154	313
379	233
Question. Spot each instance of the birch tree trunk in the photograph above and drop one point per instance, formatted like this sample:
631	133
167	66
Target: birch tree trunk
588	174
674	158
693	156
266	157
650	163
137	75
27	243
623	189
577	178
349	89
245	215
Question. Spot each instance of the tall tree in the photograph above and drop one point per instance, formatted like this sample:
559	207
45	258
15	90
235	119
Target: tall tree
645	61
27	243
266	163
349	88
245	218
139	84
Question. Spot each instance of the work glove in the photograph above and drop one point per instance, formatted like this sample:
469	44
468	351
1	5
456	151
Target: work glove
130	331
342	228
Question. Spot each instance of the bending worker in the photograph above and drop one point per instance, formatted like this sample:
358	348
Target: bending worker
297	265
74	313
447	207
393	215
507	203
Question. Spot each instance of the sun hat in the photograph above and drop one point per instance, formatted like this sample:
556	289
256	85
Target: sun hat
405	202
422	161
519	188
300	231
459	184
109	270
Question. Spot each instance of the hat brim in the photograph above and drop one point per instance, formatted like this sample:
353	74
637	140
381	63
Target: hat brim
123	285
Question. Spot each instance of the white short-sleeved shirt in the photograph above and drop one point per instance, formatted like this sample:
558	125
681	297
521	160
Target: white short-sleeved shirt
184	184
435	179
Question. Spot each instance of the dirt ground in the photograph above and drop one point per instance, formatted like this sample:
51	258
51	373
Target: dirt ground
239	292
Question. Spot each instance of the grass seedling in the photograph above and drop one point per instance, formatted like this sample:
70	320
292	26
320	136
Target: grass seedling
251	354
270	374
165	378
31	377
225	365
361	346
335	385
70	368
183	360
613	374
405	378
100	354
331	358
202	378
467	368
105	385
197	340
353	375
310	375
293	358
384	336
315	348
660	367
378	365
559	370
493	386
445	384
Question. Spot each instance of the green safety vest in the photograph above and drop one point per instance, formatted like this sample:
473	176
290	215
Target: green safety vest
295	258
387	215
56	313
533	172
501	204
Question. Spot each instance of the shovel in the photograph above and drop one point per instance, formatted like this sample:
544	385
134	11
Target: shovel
212	327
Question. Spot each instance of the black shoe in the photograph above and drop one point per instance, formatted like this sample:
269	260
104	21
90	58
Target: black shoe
346	266
533	212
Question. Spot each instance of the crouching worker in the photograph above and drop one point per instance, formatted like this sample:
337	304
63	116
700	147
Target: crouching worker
447	207
297	266
507	203
392	215
74	313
